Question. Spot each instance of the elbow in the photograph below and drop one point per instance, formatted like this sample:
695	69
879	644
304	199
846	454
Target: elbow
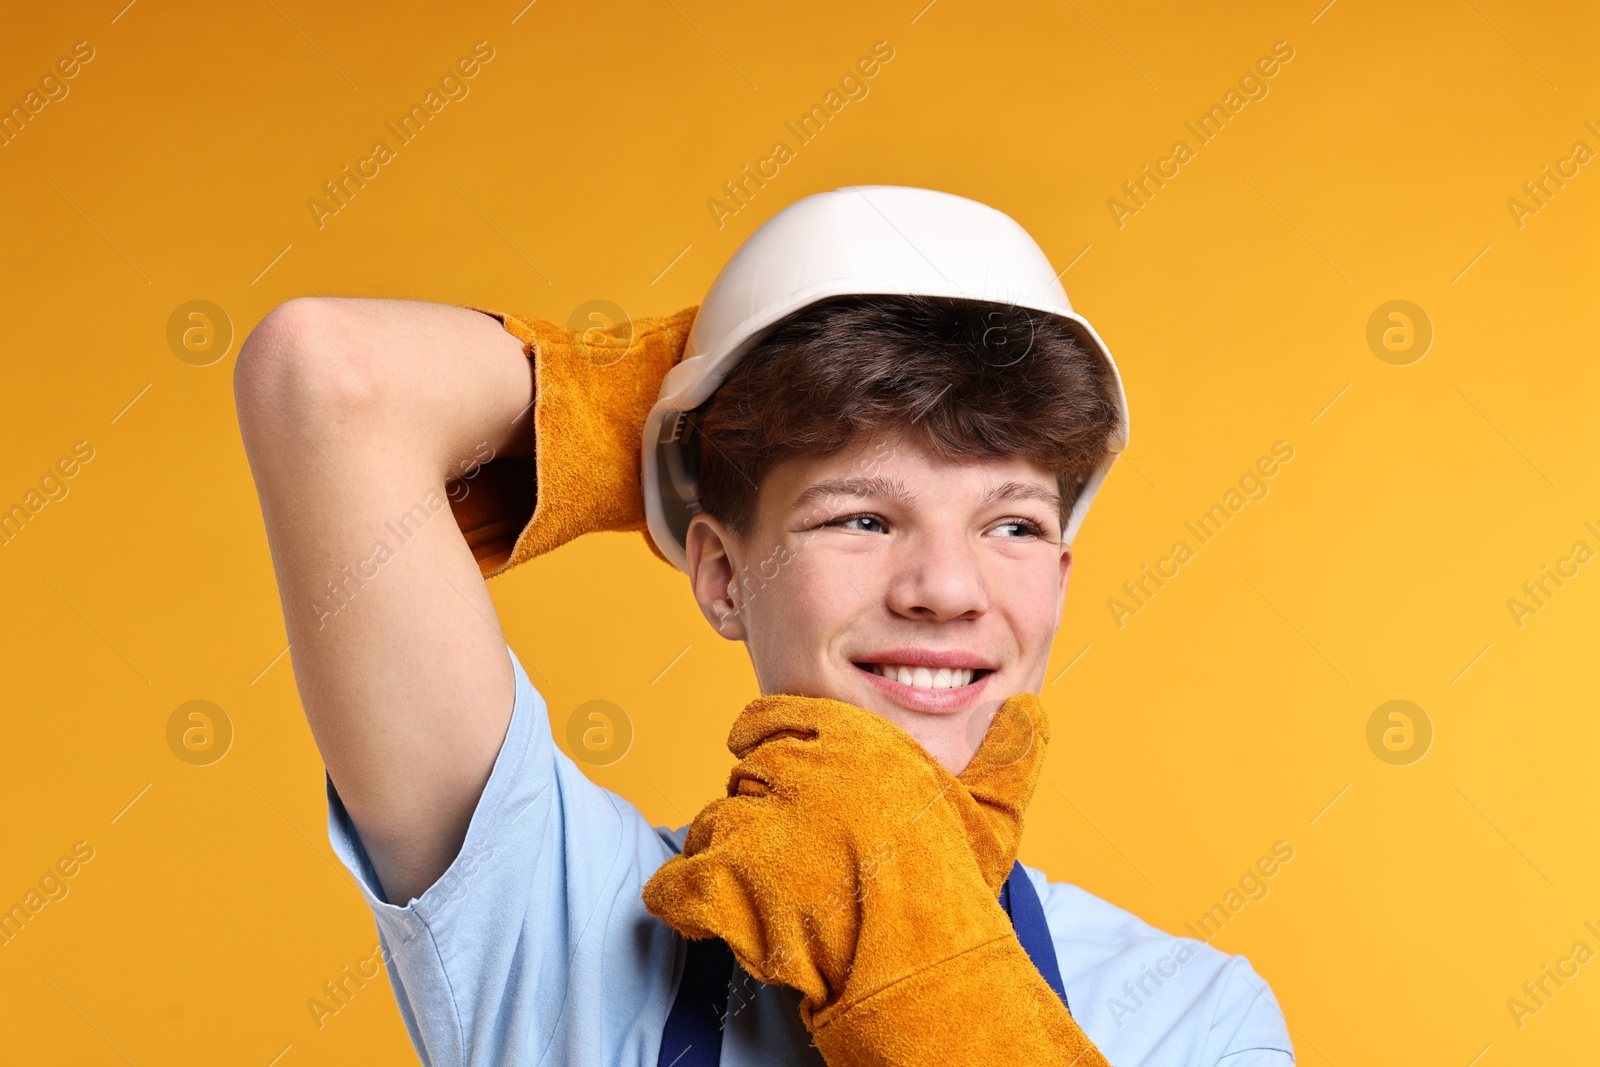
304	366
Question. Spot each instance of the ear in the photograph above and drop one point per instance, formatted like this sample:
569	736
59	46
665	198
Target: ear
1066	572
712	552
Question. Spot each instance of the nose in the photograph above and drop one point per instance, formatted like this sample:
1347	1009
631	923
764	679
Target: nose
937	577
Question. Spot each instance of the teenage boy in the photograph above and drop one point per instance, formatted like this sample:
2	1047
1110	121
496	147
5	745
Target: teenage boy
869	449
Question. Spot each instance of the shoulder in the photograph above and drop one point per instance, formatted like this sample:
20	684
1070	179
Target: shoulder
1146	996
674	839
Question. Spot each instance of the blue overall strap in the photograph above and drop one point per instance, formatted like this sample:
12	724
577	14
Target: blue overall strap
693	1035
1021	902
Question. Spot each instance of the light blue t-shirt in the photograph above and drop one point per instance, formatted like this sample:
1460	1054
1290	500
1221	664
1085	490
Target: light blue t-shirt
534	946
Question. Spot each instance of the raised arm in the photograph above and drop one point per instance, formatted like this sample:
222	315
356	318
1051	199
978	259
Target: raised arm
356	414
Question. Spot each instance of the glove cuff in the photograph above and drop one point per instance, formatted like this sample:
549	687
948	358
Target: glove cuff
986	1007
592	392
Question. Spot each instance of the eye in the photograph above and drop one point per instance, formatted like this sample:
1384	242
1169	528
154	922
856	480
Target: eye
845	522
1027	528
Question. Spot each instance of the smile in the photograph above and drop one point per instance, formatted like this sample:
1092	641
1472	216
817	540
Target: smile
930	688
924	677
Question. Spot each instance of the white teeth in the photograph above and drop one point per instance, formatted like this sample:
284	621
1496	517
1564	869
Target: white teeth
924	678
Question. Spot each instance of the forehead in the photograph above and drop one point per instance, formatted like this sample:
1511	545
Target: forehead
902	471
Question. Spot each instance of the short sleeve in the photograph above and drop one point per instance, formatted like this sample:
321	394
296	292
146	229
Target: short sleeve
1248	1029
1147	998
534	945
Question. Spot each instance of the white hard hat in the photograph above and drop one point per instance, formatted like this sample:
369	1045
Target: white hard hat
860	240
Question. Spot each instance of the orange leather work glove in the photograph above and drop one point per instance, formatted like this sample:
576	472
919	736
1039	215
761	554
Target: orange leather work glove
592	391
845	862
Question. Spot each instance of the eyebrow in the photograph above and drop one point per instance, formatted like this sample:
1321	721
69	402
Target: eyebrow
1023	491
894	489
883	488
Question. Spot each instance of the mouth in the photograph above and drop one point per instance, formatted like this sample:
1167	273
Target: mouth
926	677
927	686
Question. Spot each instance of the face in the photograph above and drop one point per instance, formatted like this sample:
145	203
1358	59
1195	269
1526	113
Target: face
882	576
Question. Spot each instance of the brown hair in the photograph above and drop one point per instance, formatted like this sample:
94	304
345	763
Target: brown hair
963	379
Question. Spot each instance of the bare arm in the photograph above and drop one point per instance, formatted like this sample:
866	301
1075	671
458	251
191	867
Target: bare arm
354	414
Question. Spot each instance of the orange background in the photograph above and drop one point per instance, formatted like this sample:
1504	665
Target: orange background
1229	713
